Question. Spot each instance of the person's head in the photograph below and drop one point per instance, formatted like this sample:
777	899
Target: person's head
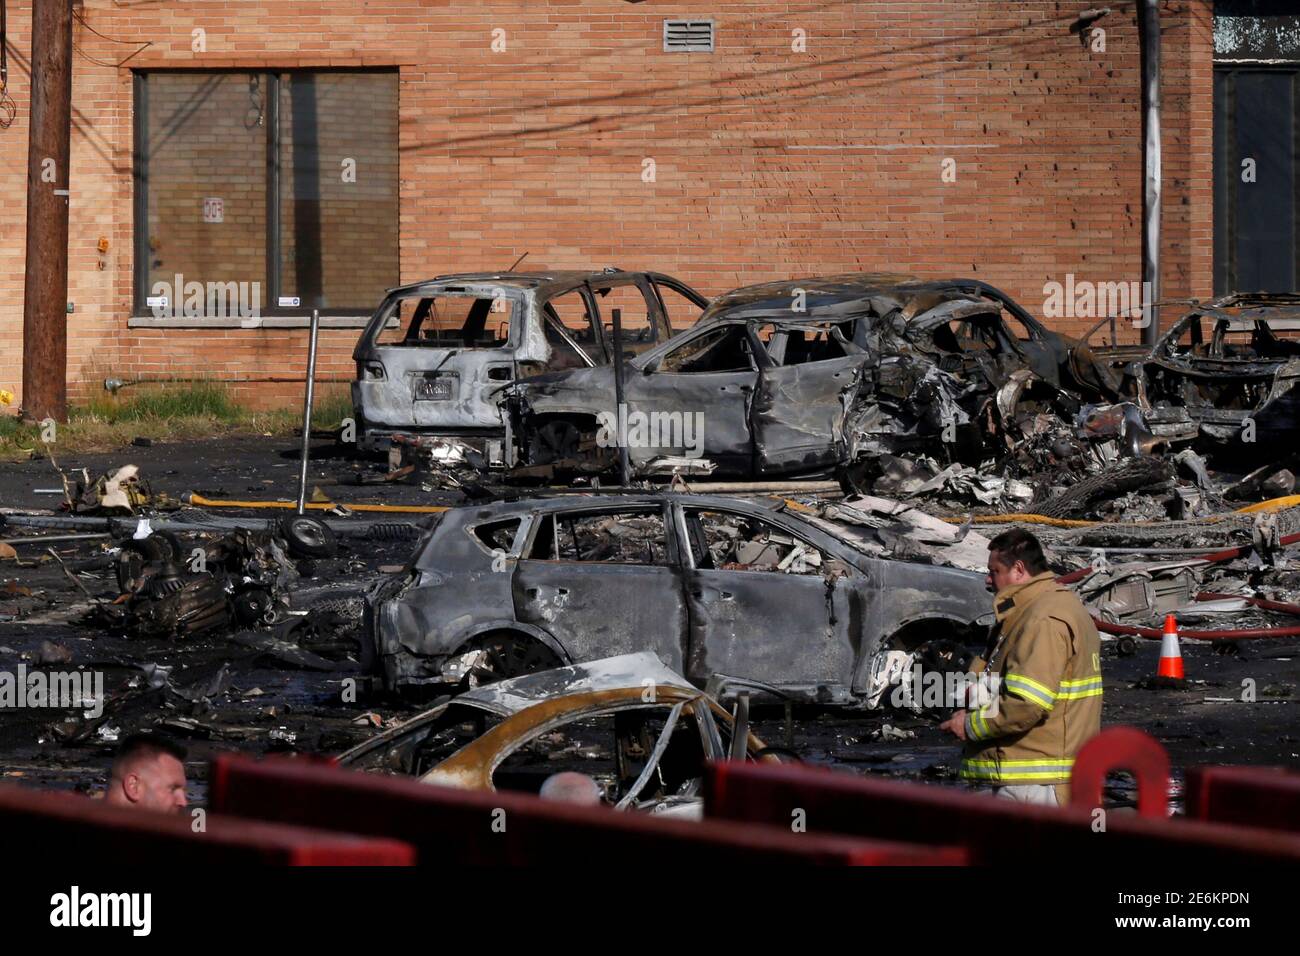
148	773
1015	556
571	787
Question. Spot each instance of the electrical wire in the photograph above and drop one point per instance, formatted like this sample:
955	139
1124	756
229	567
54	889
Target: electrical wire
143	45
8	108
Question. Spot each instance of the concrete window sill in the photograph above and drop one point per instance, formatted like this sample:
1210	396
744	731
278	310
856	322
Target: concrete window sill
235	322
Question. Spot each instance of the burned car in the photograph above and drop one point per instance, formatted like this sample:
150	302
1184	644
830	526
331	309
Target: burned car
1226	373
812	376
434	356
797	597
642	732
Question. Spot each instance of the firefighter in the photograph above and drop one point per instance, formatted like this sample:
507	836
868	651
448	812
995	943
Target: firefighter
1043	675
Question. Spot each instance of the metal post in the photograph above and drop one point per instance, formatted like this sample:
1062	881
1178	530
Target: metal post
306	410
1149	37
624	463
45	288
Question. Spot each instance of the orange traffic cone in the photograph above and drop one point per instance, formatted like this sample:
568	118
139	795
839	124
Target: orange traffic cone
1171	656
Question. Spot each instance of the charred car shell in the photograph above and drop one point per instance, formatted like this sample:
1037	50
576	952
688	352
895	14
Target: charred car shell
464	741
1222	366
806	376
435	355
701	581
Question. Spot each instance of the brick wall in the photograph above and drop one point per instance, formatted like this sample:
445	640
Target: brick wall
768	162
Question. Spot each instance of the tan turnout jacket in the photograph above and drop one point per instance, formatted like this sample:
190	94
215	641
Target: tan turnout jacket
1048	699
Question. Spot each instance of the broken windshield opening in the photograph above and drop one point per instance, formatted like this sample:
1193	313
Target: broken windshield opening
450	321
719	350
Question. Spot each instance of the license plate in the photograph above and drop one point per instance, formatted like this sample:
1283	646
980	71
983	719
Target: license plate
433	389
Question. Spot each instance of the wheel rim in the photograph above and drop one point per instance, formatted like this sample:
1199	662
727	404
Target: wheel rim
309	533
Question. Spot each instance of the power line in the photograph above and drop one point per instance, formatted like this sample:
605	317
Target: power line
8	108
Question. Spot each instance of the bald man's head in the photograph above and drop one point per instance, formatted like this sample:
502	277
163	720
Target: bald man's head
148	773
571	787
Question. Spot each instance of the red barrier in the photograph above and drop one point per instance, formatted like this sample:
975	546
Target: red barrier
449	826
995	831
1122	748
1267	797
40	824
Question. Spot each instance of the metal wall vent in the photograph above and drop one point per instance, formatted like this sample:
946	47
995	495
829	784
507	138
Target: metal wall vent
688	36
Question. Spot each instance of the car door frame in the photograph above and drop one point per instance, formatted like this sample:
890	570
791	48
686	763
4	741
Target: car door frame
591	357
849	599
808	456
658	278
673	568
658	321
645	387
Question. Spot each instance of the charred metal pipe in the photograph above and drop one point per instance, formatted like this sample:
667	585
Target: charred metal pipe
125	526
52	538
306	409
827	488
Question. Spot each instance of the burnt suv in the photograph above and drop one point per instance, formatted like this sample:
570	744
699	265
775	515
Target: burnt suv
770	591
435	355
812	376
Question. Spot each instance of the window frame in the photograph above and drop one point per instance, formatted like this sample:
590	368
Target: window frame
270	307
526	545
656	318
685	339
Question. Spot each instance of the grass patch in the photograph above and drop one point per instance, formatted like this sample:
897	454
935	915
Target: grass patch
185	411
193	400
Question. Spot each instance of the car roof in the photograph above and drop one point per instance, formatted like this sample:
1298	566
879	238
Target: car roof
830	297
546	283
1251	307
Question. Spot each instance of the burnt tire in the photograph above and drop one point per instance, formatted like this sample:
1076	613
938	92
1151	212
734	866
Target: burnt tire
308	537
171	544
509	654
250	606
134	558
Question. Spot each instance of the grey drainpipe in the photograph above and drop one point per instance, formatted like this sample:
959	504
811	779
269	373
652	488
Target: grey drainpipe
1149	38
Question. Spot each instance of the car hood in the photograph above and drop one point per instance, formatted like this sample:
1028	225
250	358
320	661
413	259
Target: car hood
597	377
610	673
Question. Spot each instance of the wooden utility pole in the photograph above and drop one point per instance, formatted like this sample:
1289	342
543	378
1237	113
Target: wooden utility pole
45	289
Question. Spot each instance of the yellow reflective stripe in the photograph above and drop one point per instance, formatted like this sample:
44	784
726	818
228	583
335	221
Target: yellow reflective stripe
1013	770
1080	694
1077	689
976	727
1017	777
1030	690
